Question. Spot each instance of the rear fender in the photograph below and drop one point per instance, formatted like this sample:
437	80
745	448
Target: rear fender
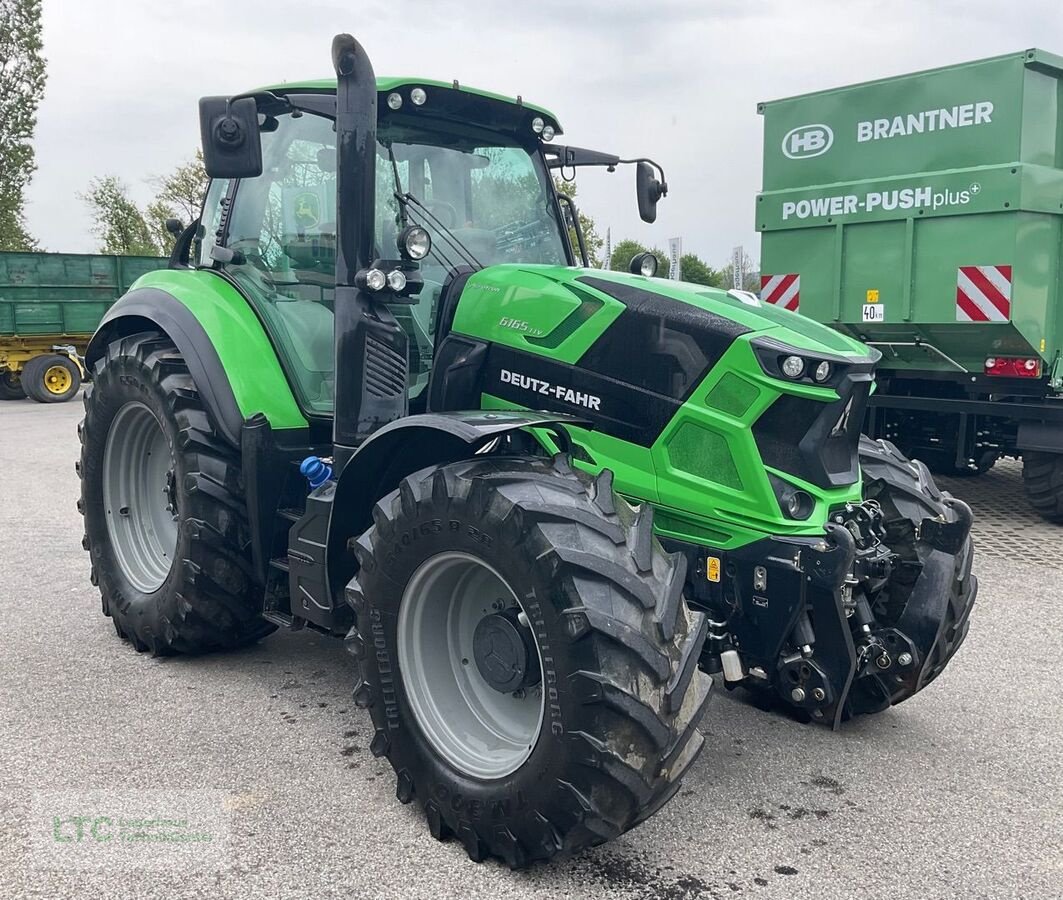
226	349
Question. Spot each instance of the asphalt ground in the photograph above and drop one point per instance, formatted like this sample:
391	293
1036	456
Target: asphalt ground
956	794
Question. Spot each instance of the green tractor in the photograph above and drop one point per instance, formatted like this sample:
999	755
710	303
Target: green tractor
376	395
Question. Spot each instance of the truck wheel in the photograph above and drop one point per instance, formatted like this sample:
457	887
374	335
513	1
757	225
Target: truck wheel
930	592
526	655
944	463
162	496
11	386
52	378
1042	477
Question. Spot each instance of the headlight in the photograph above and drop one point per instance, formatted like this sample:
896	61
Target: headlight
799	505
643	264
538	125
793	367
822	372
548	133
418	96
395	100
414	242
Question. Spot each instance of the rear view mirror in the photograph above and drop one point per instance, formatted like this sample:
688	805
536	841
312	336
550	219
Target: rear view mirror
228	127
649	191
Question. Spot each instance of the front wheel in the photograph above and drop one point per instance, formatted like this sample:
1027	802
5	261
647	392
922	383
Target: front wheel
527	657
931	590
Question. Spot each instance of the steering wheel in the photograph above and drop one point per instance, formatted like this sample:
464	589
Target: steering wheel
445	212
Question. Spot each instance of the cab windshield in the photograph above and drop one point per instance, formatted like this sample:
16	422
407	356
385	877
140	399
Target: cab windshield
484	198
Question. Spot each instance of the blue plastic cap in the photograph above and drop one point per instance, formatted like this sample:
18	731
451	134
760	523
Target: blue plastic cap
315	471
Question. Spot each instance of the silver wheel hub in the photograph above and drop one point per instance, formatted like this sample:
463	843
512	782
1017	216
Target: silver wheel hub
470	665
139	497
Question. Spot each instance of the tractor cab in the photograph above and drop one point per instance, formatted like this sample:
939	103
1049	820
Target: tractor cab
471	169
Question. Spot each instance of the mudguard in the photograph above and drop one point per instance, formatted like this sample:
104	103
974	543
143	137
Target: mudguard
225	347
406	446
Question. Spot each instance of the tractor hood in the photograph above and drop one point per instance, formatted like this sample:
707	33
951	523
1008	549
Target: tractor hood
563	310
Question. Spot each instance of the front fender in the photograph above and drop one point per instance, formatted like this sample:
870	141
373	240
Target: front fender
228	353
407	446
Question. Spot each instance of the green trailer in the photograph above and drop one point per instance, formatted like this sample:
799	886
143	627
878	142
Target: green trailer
923	215
50	304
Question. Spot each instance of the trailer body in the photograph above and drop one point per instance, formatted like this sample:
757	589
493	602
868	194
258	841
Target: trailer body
50	305
923	215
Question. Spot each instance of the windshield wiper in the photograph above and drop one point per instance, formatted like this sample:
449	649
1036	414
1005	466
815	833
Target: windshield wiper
406	199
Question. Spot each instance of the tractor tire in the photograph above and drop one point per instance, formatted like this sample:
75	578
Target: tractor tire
162	496
931	592
1042	478
52	378
612	722
11	386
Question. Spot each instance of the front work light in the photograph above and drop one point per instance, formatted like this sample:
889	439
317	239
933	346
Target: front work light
414	242
538	125
397	280
548	133
395	100
375	280
418	96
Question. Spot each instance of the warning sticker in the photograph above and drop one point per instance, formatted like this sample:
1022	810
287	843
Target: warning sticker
874	312
712	569
872	295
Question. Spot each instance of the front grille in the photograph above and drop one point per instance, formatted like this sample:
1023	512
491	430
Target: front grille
816	442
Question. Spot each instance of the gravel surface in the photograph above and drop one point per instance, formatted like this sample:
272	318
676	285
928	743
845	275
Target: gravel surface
957	793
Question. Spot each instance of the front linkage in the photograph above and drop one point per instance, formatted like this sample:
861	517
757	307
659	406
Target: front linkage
852	622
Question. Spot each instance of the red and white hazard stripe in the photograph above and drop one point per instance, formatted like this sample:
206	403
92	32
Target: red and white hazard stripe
983	294
781	290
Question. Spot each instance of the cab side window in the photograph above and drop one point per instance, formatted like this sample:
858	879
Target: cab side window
283	236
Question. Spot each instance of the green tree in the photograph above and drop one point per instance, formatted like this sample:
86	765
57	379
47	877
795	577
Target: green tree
120	226
180	196
591	238
626	249
695	270
22	76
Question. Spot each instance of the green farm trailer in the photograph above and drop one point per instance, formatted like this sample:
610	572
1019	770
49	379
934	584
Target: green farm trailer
50	304
923	215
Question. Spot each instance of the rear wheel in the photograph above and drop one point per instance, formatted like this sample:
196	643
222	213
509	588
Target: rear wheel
52	378
1042	477
943	462
11	386
165	522
526	654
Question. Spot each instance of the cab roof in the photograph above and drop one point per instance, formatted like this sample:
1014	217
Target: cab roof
386	84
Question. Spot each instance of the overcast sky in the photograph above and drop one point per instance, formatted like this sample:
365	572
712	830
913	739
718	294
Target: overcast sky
676	80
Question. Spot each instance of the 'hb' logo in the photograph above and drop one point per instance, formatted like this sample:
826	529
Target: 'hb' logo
807	141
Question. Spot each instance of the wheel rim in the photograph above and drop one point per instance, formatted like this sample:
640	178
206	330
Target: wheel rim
139	498
479	730
57	380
